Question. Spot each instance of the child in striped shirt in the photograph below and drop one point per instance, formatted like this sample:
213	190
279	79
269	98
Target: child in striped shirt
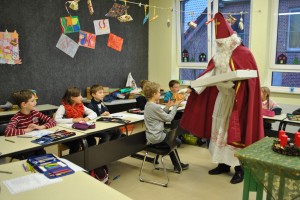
27	119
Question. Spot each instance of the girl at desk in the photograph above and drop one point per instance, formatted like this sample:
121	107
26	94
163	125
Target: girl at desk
71	111
267	102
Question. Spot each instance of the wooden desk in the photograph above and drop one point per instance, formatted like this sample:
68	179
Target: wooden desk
76	186
283	121
279	174
106	153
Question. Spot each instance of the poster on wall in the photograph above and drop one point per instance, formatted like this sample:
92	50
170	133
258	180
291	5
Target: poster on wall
87	39
9	48
67	45
101	26
70	24
115	42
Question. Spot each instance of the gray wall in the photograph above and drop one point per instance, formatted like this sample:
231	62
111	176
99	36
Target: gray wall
50	71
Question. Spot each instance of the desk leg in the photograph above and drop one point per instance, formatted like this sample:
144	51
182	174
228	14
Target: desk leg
270	185
281	187
246	184
259	193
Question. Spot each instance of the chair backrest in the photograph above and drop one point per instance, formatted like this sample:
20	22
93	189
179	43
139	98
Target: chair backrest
2	129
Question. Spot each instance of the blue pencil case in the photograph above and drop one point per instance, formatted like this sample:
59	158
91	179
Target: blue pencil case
49	165
59	135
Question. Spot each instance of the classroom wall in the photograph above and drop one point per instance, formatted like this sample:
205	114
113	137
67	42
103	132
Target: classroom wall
160	59
50	71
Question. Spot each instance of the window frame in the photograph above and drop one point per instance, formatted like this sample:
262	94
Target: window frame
273	67
192	65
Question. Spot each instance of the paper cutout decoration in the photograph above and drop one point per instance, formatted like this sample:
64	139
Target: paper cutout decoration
281	59
117	10
146	14
90	7
70	24
74	4
67	45
9	48
202	57
230	19
87	39
101	26
125	17
115	42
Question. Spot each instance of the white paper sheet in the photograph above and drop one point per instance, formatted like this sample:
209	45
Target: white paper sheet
29	182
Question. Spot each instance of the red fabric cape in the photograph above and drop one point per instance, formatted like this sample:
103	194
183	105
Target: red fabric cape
246	123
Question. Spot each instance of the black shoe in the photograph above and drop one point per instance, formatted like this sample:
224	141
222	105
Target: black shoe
237	177
221	168
183	167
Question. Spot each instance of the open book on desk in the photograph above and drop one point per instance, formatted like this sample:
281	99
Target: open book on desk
229	76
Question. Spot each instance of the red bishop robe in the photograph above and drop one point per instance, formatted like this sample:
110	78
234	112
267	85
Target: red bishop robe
246	123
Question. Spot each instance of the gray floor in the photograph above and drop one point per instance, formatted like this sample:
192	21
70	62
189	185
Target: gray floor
194	183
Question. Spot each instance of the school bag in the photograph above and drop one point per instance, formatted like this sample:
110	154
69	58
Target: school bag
101	174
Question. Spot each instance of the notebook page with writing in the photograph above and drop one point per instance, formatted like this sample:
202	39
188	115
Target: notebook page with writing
29	182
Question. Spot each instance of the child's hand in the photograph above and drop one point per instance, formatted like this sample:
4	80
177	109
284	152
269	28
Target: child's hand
170	104
177	102
28	129
106	113
36	127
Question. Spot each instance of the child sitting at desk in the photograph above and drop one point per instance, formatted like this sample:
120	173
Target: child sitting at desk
97	105
267	104
27	119
155	117
72	110
141	100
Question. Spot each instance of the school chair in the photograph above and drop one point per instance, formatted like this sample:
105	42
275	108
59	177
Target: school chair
171	137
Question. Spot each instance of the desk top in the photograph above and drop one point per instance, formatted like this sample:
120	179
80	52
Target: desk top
282	117
43	107
25	144
269	168
75	186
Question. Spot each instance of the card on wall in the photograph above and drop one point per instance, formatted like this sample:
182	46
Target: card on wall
87	39
70	24
9	48
102	26
115	42
67	45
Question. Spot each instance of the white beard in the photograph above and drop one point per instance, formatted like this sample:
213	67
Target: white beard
224	52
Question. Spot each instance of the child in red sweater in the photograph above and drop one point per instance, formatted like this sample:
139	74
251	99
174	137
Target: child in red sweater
27	119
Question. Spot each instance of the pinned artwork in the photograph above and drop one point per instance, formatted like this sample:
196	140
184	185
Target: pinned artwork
125	17
9	48
102	26
67	45
90	7
281	59
117	10
115	42
70	24
87	39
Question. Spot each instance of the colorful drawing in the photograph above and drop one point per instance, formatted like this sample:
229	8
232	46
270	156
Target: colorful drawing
115	42
101	26
9	48
87	39
67	45
70	24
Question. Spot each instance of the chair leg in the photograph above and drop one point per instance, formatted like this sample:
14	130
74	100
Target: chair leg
154	182
178	160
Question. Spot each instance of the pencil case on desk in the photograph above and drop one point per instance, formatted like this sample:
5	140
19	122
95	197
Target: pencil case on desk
49	165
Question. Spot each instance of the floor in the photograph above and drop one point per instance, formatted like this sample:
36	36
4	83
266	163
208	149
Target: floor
193	184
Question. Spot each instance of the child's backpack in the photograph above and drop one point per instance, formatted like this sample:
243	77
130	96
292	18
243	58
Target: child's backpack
100	173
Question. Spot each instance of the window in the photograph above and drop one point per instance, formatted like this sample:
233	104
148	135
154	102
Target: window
195	45
284	73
